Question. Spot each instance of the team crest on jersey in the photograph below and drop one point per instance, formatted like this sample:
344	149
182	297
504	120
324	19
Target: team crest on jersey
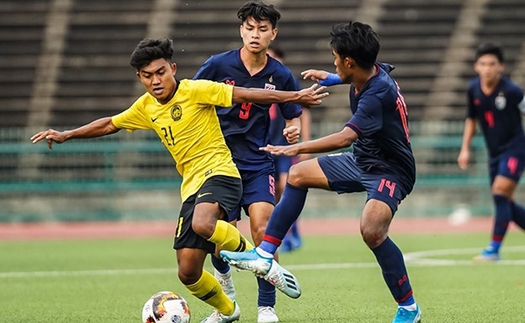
268	86
501	101
176	112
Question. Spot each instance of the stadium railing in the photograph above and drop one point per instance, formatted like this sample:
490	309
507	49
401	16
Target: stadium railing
110	169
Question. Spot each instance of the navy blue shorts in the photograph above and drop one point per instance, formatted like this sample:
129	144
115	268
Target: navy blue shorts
344	176
509	164
257	186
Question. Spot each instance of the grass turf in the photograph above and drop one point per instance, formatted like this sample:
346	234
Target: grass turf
109	281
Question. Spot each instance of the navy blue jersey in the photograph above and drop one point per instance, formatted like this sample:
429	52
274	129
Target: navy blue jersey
380	120
246	126
498	114
277	124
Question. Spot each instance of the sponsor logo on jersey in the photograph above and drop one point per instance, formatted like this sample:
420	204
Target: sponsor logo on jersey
268	86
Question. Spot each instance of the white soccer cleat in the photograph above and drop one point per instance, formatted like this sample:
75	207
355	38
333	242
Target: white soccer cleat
283	280
266	268
266	314
217	317
226	281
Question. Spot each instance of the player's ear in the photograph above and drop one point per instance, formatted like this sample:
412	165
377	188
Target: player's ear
173	68
348	62
274	33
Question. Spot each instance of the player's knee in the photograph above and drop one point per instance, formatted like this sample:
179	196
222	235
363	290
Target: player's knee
203	228
296	175
188	275
373	237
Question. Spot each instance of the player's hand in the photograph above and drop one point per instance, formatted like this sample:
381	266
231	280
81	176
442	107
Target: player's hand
289	151
292	134
51	136
312	95
463	158
314	75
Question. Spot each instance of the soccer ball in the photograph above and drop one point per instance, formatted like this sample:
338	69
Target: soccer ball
166	307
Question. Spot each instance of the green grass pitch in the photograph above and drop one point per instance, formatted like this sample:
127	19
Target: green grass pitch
108	281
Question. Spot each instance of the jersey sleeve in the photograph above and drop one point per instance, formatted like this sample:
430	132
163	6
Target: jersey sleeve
213	93
368	117
517	98
133	118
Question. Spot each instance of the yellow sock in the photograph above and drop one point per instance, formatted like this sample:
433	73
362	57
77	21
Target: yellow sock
227	237
208	290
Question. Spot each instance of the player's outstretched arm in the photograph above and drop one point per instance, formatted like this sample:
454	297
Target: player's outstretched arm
322	77
332	142
97	128
305	97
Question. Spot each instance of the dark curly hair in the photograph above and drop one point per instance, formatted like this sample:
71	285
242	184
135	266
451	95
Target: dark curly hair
149	50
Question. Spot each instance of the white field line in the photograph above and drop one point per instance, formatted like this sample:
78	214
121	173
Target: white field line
413	259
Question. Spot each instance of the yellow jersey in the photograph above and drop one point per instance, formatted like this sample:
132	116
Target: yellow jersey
189	128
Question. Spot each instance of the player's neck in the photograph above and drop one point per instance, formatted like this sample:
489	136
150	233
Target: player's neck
360	80
488	86
253	63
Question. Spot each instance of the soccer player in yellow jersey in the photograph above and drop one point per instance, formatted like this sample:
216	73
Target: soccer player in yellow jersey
183	116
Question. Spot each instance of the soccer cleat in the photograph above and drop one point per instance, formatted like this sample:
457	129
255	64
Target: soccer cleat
297	241
249	260
217	317
487	255
267	315
405	316
226	282
290	243
266	268
283	280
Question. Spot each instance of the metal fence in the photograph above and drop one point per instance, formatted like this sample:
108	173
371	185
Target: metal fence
131	176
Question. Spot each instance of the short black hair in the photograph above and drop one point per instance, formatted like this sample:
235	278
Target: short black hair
357	41
259	11
489	48
150	49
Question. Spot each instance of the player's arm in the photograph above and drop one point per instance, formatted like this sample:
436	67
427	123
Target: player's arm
468	133
332	142
306	97
292	130
322	77
97	128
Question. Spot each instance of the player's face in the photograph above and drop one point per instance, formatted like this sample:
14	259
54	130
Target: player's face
158	79
342	67
257	35
488	67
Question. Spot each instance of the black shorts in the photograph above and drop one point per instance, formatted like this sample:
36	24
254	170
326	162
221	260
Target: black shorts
225	190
